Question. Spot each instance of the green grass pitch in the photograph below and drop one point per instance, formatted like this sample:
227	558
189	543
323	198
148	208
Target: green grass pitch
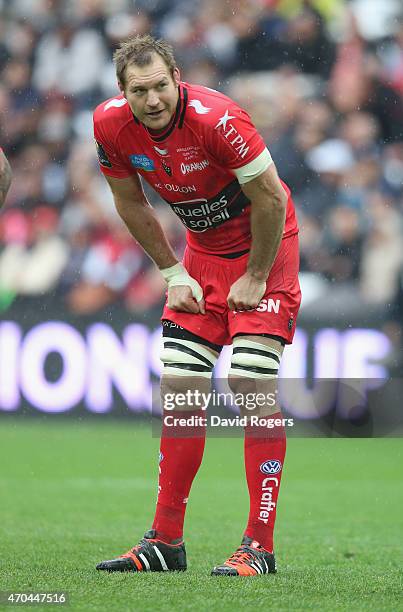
75	493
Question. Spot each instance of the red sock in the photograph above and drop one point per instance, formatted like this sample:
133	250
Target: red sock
181	453
264	459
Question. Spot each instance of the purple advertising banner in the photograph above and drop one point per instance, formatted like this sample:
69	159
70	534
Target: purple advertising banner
58	366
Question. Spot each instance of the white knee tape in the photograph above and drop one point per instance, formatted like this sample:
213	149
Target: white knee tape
254	360
187	358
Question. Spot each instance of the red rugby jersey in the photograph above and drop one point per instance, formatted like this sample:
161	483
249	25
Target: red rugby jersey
190	164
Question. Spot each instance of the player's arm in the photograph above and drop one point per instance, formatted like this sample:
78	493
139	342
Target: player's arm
5	177
268	211
141	221
231	138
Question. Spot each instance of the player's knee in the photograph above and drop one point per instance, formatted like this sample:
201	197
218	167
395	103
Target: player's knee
252	362
188	367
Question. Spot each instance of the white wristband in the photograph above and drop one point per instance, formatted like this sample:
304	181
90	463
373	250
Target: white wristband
178	276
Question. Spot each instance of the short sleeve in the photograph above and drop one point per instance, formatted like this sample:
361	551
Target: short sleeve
232	139
109	159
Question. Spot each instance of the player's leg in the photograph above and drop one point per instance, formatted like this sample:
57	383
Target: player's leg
188	363
258	339
254	370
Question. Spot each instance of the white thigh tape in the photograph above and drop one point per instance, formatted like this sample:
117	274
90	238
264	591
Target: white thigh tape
254	360
187	358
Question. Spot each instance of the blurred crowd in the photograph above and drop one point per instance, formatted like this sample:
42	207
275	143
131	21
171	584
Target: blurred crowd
323	81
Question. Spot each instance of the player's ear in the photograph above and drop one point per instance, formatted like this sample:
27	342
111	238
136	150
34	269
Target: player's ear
122	89
176	75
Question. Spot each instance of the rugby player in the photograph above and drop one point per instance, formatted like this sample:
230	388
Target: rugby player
237	284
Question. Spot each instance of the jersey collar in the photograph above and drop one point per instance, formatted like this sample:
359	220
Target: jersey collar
177	120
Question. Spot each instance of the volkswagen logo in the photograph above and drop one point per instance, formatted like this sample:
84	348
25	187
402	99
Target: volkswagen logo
271	466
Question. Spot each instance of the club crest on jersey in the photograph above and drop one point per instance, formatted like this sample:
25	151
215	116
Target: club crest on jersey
271	466
142	162
167	168
231	134
102	156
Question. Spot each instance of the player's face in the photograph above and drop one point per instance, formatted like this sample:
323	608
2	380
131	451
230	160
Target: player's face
152	93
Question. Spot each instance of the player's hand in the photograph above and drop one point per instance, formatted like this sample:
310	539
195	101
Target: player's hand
246	293
184	292
180	299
